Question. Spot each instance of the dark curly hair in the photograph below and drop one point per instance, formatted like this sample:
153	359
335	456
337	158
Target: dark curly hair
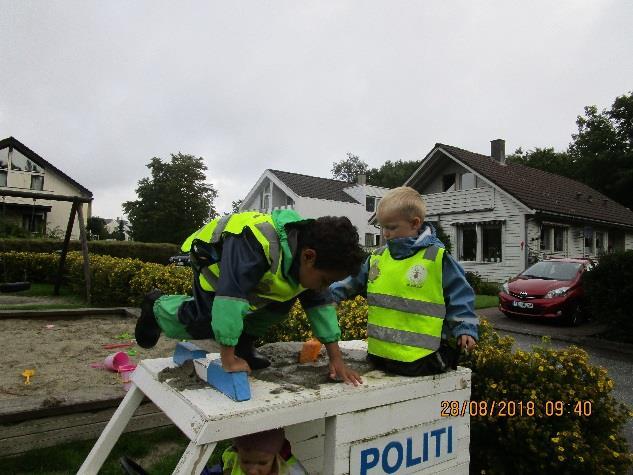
335	240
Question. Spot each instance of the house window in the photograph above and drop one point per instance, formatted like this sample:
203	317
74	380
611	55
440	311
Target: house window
3	178
20	163
289	201
546	238
266	202
560	234
4	158
467	237
468	181
37	182
599	242
491	242
370	203
369	239
376	239
588	233
448	182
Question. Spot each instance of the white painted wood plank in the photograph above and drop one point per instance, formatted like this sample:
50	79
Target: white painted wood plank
194	459
410	413
112	432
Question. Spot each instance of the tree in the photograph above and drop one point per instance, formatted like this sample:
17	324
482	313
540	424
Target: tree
96	226
174	202
235	205
545	159
349	169
392	174
602	150
119	234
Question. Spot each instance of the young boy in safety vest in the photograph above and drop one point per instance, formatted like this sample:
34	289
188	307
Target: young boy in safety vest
264	453
248	269
418	298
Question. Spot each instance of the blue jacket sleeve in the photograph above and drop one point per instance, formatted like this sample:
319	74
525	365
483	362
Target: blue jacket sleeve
351	286
242	265
459	299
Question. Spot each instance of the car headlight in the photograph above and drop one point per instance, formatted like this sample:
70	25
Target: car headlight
505	288
556	292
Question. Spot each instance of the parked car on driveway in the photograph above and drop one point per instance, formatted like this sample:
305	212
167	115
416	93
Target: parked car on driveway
551	288
180	260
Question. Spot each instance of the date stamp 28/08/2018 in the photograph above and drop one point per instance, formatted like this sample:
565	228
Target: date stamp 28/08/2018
503	408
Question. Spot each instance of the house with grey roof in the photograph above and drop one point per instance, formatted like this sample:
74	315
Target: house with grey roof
313	197
502	216
24	172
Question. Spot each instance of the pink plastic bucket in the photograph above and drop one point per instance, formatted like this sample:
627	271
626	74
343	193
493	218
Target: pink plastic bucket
126	375
114	361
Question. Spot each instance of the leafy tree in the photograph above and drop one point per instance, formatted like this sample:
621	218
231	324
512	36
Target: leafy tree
119	234
545	159
173	202
392	174
235	205
349	169
96	226
602	150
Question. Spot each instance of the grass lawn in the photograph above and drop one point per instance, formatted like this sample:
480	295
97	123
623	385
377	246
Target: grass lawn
486	301
65	299
156	450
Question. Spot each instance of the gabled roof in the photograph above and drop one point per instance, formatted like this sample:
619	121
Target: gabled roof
31	155
543	191
315	187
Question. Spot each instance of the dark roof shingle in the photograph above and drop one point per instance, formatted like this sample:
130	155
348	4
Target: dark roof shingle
544	191
315	187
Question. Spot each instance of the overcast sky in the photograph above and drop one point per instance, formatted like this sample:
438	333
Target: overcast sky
98	88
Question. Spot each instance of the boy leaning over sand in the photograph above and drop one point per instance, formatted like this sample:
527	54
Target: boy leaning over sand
421	308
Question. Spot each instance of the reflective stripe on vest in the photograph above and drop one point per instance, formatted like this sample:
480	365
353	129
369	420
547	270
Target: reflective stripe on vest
273	286
406	304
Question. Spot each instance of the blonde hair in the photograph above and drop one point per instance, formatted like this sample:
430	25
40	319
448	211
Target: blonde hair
403	200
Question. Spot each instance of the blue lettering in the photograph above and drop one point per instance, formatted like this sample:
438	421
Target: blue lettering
410	460
365	463
450	439
425	447
385	457
437	433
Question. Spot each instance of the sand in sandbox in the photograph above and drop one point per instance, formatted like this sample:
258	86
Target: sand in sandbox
61	357
284	370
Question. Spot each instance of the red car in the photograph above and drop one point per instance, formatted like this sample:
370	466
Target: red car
551	288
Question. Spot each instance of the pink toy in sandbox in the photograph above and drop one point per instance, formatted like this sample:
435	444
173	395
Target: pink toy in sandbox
113	361
126	375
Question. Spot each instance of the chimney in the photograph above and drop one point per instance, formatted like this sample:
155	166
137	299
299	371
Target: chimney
361	179
498	150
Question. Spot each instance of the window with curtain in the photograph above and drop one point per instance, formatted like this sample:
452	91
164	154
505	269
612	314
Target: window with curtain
560	234
467	235
491	242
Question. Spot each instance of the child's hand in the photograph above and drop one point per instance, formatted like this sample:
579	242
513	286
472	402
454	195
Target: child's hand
340	371
466	342
232	363
235	364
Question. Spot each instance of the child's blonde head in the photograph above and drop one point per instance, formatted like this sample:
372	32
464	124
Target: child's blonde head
403	201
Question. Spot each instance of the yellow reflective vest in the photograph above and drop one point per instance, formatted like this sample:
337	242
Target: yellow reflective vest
273	286
406	307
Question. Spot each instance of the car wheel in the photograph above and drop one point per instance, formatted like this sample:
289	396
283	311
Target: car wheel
575	317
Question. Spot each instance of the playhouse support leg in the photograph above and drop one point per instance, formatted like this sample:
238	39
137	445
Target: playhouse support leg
194	459
112	432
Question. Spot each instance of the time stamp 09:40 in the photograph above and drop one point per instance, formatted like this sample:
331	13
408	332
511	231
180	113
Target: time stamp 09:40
515	408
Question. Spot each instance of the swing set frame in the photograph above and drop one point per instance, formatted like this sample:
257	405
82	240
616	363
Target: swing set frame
75	210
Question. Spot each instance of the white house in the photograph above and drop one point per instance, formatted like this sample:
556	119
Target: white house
313	197
112	226
21	169
501	216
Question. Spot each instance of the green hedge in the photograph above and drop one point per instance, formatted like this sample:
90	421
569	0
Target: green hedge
146	252
609	288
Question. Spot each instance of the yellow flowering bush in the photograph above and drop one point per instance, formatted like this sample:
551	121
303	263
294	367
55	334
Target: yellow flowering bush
352	316
575	423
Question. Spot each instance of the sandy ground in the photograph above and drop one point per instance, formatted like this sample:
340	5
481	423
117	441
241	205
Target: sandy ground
60	353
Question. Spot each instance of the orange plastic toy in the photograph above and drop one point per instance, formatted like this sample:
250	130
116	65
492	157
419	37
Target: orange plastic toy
27	373
310	351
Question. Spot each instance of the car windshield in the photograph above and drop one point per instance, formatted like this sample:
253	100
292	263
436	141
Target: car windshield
550	270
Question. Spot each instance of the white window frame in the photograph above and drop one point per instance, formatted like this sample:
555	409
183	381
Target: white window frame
479	236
